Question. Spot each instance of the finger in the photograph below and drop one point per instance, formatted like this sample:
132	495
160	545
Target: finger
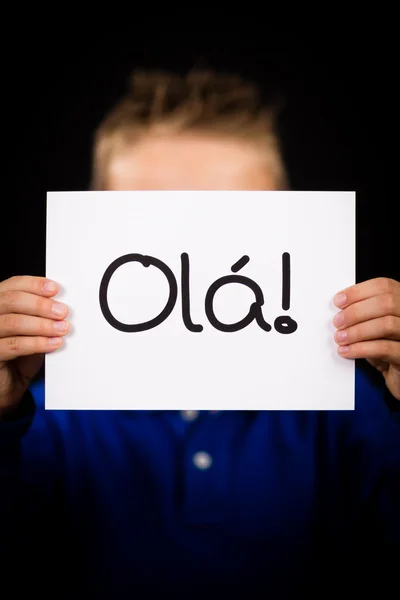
16	346
31	304
372	308
15	324
366	289
384	350
387	327
40	286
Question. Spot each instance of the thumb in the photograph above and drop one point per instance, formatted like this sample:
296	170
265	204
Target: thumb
27	368
381	365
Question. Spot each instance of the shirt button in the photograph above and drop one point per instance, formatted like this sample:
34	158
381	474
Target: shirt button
202	460
189	415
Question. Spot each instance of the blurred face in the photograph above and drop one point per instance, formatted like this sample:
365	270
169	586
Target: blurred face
191	162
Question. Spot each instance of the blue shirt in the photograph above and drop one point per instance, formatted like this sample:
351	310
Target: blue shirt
118	504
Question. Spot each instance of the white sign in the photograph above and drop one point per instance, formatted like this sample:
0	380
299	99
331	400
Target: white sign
200	300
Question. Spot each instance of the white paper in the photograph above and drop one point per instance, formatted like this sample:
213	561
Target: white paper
168	366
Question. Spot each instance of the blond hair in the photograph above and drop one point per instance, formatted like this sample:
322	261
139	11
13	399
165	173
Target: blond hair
202	101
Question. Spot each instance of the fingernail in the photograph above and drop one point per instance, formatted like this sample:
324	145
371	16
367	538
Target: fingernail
49	286
339	319
59	309
60	325
340	300
341	336
343	349
55	341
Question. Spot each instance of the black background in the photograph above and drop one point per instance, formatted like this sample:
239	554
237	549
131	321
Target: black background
337	128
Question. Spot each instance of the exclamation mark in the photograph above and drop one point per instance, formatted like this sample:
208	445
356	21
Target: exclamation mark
285	324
